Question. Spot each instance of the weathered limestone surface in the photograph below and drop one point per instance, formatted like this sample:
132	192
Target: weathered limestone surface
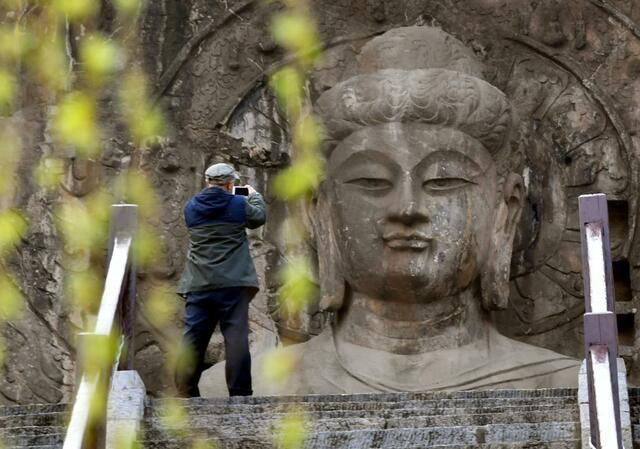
570	69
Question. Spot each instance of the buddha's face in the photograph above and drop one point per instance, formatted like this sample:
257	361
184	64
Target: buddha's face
413	207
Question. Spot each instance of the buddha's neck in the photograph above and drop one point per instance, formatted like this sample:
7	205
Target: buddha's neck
412	328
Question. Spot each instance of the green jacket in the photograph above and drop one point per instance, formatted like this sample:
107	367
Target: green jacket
218	254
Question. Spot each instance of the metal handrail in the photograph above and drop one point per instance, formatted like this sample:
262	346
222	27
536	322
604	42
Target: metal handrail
84	432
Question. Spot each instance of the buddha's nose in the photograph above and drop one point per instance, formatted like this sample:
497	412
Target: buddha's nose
407	207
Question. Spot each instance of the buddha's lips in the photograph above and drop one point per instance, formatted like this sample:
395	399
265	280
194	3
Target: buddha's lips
413	240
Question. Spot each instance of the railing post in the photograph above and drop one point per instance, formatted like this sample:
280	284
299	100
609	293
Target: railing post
97	351
124	222
600	325
128	318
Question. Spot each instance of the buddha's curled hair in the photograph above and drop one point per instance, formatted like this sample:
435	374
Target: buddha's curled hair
433	96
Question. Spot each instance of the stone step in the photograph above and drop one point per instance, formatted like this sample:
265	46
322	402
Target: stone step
47	446
29	431
499	419
248	425
34	440
431	406
337	430
498	396
568	444
375	412
16	410
36	419
35	426
635	432
464	436
384	397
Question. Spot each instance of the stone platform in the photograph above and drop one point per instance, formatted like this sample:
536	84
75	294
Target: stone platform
498	419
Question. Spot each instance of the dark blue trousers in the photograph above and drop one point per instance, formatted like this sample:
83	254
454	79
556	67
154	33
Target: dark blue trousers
204	310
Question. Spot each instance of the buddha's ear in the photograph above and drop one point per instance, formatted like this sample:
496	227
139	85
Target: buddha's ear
495	276
332	284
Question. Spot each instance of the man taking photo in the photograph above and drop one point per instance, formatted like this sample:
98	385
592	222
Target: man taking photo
219	279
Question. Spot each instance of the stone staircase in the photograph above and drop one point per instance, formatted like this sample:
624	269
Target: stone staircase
474	419
634	406
502	419
33	426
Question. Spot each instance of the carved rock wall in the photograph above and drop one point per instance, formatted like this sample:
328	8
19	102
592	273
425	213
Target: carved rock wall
572	68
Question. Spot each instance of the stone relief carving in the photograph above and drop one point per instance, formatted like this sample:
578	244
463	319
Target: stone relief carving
569	70
573	139
413	228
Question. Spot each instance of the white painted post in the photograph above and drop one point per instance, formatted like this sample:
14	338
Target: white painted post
600	325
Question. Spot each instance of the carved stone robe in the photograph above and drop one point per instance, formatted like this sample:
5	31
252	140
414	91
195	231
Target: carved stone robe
326	366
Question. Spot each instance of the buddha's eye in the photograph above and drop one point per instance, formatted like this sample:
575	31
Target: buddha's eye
375	184
440	184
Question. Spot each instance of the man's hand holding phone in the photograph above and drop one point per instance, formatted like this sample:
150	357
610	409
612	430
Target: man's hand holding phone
243	190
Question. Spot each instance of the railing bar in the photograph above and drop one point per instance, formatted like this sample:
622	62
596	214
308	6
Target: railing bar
80	413
113	286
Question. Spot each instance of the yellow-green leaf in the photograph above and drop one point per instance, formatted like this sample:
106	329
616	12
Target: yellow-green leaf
203	444
149	123
48	172
7	88
298	287
75	9
160	306
174	418
127	7
50	64
100	57
97	352
277	366
84	290
140	191
98	405
146	250
84	224
10	149
126	439
13	42
308	134
11	4
10	298
75	123
288	86
13	226
296	32
3	351
145	121
298	180
290	432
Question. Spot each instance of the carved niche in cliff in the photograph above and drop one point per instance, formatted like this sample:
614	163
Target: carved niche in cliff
569	72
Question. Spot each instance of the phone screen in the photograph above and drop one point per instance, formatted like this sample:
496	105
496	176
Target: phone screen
244	191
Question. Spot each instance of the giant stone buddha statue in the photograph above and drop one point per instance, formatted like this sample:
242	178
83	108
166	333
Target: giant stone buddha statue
413	228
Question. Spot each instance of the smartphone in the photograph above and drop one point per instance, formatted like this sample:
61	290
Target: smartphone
244	191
